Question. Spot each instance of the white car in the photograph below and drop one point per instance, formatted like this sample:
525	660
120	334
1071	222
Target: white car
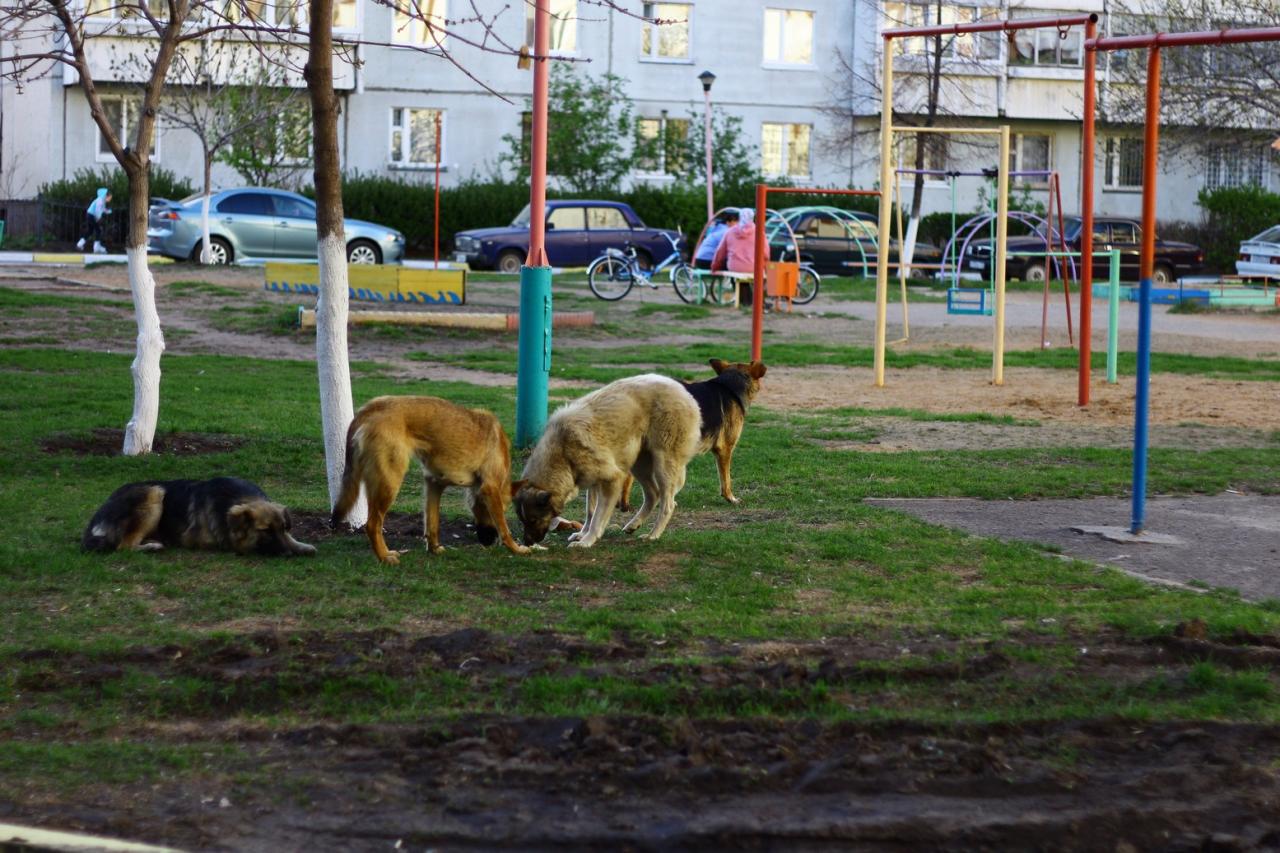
1260	255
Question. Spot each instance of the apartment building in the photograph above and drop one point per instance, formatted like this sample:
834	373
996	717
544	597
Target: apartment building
800	74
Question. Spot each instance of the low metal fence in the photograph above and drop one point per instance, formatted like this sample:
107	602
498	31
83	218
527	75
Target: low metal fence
54	224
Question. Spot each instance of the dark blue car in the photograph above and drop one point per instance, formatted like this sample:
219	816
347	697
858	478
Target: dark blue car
578	231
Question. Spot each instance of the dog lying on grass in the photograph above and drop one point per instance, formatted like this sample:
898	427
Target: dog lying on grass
222	514
456	447
646	424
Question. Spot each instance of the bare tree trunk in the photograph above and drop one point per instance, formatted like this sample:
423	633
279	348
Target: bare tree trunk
931	118
336	409
140	432
205	254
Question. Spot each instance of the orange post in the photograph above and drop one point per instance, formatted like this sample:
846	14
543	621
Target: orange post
1086	215
435	220
757	285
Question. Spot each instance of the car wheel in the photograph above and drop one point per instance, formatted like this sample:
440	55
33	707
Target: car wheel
510	261
1162	275
220	251
363	252
1035	272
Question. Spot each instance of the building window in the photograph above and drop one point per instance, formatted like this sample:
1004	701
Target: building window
670	40
1236	166
788	37
425	28
290	14
662	143
1124	162
563	37
413	136
935	152
979	47
784	149
122	115
1049	47
113	9
1031	152
345	15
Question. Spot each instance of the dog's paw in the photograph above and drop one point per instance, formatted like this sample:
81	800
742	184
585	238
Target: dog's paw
537	547
574	537
581	543
150	546
562	524
732	499
439	549
520	549
392	558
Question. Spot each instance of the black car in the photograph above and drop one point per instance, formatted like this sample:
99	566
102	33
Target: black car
1173	259
578	232
834	243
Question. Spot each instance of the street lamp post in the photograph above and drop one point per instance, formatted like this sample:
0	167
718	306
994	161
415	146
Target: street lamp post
707	78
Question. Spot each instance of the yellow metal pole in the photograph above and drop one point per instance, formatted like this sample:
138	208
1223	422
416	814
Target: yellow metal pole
902	270
886	192
1002	234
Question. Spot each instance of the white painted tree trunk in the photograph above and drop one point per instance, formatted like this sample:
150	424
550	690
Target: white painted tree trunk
909	243
141	429
204	228
336	409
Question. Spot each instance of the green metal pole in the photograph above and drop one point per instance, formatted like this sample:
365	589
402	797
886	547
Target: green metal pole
533	366
1113	317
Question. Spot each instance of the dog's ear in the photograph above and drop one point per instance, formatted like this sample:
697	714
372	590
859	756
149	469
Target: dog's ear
718	365
543	499
756	369
517	485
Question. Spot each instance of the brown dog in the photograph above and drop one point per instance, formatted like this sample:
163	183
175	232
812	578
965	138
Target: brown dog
722	401
456	446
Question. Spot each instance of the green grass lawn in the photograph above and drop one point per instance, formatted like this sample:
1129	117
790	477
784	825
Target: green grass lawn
800	559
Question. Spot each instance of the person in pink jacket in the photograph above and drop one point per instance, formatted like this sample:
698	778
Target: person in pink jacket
737	252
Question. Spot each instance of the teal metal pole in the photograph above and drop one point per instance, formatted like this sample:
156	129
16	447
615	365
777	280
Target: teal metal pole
533	367
1113	317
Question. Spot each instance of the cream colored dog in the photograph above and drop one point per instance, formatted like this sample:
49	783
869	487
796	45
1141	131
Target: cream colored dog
647	425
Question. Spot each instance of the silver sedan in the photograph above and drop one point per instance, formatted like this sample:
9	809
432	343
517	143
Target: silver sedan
255	224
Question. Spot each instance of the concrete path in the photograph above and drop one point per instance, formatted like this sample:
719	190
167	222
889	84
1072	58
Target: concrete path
1225	540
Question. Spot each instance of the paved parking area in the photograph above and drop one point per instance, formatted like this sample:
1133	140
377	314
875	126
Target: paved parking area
1226	540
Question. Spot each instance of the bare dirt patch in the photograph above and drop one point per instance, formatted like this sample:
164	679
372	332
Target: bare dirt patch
674	781
108	442
1027	393
401	530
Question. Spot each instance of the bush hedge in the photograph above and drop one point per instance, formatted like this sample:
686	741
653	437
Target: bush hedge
81	187
408	206
1233	214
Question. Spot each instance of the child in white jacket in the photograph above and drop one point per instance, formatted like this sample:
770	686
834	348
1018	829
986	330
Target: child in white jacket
93	221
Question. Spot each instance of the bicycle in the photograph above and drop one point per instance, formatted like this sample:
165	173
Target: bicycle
720	289
612	275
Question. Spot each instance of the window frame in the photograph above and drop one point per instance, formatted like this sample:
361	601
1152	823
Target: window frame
655	40
1112	160
976	12
1017	159
781	64
664	121
406	139
1214	162
571	18
415	24
1075	34
126	135
785	152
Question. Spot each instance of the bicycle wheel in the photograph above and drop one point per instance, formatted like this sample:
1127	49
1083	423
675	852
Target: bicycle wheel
688	284
610	278
720	290
806	286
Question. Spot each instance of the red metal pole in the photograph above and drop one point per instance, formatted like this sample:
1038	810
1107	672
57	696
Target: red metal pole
1150	150
992	26
757	287
1087	143
436	218
1184	39
1065	266
538	163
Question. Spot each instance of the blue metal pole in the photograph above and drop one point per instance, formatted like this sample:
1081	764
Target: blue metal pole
533	367
1141	408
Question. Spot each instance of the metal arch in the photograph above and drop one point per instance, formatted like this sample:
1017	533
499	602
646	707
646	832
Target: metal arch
840	214
974	224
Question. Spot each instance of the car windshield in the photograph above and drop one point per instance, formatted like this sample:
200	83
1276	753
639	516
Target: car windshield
522	218
1271	235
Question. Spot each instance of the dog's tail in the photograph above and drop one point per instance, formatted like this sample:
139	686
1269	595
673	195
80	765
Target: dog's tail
350	477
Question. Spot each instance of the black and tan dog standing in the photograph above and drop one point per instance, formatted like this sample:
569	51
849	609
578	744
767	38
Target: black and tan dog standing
222	514
456	447
723	402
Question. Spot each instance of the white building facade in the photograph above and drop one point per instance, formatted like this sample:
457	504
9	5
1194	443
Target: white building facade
782	68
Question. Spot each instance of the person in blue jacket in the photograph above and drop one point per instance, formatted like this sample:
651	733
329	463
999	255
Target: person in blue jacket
707	248
93	221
